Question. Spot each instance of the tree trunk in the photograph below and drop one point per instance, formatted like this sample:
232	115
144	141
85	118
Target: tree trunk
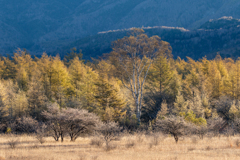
56	138
138	112
62	136
176	138
73	137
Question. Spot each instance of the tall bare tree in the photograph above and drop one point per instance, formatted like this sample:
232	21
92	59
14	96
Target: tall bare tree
133	57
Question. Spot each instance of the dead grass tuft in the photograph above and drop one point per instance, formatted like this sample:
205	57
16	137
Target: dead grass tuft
94	158
40	139
156	139
82	157
130	143
191	148
35	146
208	148
194	140
96	142
110	147
2	158
12	143
237	142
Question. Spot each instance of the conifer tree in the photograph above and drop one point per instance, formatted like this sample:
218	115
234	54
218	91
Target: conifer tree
37	100
3	102
10	69
25	66
83	79
45	66
180	104
174	86
22	79
108	100
215	80
160	73
2	67
72	55
237	74
60	80
163	111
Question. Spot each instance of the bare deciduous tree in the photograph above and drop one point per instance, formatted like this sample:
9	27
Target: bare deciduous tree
133	57
56	123
79	122
69	121
223	105
237	125
109	131
176	126
201	131
215	124
25	125
41	133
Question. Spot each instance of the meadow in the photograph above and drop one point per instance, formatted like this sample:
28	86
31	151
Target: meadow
128	147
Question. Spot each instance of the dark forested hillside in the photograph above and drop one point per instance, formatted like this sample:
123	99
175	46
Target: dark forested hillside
45	25
215	36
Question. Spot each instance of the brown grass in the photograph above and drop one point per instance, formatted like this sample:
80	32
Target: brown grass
129	147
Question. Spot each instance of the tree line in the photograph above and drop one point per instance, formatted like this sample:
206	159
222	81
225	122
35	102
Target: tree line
137	84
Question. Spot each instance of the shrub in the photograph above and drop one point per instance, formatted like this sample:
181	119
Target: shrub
41	133
237	142
79	122
110	147
176	126
140	136
191	117
69	120
130	144
215	124
96	141
201	131
237	125
24	125
155	139
40	138
110	131
194	140
9	130
3	127
12	142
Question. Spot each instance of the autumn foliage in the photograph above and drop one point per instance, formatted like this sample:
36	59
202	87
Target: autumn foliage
138	83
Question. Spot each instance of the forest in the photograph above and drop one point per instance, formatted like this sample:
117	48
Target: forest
137	86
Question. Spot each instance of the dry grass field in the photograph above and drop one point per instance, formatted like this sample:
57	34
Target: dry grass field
137	147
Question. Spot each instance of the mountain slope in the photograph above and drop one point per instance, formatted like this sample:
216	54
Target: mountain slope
31	23
215	36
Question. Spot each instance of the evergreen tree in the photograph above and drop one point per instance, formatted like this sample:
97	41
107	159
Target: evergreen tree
2	67
83	79
37	100
10	69
180	104
108	100
3	102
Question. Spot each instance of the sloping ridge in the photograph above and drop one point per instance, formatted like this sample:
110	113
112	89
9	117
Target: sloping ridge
42	21
215	36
